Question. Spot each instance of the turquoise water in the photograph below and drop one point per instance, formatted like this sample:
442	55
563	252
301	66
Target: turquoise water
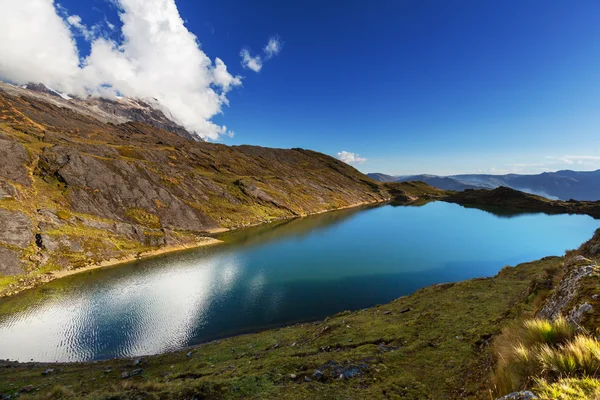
274	275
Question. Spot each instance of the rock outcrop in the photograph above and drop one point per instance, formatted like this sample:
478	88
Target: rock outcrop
568	300
591	248
523	395
576	297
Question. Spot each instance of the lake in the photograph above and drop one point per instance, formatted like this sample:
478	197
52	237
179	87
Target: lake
273	275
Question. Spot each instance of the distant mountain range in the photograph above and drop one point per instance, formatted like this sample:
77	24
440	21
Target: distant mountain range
563	185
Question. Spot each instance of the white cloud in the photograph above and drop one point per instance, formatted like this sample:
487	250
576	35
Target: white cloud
95	31
158	59
350	158
576	159
255	63
549	163
37	45
75	22
273	47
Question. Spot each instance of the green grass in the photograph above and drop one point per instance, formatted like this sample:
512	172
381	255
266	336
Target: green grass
518	349
540	331
569	389
578	357
143	217
63	215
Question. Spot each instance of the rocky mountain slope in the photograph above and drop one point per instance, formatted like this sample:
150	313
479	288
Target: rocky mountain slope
115	111
76	189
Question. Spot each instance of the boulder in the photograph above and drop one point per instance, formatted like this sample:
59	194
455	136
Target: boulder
10	264
14	160
523	395
16	228
7	191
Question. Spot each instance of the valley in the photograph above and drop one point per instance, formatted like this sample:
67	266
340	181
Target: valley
78	194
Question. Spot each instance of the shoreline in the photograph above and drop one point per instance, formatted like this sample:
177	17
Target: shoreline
32	282
205	241
39	280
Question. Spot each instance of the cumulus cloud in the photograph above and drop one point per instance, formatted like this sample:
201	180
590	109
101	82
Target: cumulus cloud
158	59
255	63
37	45
350	158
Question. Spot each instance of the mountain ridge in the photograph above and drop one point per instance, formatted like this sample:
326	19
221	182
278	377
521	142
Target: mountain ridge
116	111
559	185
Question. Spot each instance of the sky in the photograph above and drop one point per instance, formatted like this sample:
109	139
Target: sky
398	87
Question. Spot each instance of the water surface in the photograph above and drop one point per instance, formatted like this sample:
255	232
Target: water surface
272	275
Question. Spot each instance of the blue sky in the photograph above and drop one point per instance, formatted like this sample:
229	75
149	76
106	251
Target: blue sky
412	86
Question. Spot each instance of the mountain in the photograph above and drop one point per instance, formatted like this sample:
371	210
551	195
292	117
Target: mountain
383	177
76	188
117	111
563	185
440	182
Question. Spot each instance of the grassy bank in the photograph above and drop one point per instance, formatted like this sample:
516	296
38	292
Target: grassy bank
433	344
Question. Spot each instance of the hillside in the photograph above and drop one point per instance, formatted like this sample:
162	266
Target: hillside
75	190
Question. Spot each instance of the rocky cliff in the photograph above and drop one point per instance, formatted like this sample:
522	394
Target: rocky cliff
576	296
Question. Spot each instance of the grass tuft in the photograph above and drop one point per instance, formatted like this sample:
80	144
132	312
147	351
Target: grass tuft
569	389
579	357
543	351
539	331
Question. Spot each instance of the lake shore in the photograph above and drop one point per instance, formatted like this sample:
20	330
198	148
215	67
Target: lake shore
204	241
33	281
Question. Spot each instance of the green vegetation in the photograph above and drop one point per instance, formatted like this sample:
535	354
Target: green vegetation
569	389
64	215
143	217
